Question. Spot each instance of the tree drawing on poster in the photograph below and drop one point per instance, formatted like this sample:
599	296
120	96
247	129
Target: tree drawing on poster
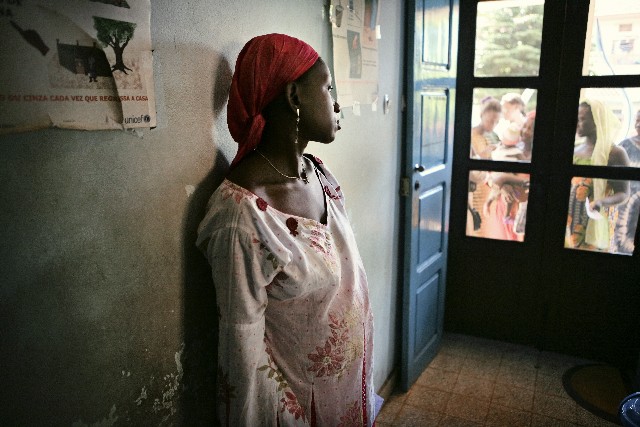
117	35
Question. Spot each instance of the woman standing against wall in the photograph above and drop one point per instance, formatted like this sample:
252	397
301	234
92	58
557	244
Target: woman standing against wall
295	343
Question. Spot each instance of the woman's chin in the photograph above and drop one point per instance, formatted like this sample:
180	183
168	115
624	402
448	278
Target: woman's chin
328	140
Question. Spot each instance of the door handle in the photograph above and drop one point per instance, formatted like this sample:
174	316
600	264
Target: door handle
418	168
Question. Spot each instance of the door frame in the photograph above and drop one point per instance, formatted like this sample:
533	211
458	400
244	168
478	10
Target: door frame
550	299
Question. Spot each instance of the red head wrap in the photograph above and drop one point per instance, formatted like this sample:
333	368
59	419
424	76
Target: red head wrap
264	67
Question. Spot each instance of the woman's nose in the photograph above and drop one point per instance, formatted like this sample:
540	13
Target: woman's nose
336	107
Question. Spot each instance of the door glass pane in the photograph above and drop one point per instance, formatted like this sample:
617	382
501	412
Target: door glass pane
502	124
434	125
436	31
508	37
600	217
612	44
497	205
608	127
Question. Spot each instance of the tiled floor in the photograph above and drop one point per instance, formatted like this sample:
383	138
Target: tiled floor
479	382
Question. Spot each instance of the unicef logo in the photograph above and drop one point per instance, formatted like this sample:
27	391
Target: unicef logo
135	119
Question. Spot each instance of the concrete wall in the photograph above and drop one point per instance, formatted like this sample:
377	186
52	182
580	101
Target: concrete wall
106	307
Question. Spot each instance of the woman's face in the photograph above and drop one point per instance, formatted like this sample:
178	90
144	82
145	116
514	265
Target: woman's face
586	126
489	119
526	133
318	110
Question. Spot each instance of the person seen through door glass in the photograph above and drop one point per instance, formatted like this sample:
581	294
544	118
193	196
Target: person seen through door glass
502	210
507	149
526	136
483	138
513	113
629	212
517	142
596	128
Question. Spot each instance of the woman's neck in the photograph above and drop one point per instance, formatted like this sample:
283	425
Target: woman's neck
283	150
590	140
481	129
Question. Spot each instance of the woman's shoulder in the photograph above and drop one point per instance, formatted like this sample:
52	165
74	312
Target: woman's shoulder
618	156
324	170
230	191
233	212
244	175
631	146
318	163
330	185
230	205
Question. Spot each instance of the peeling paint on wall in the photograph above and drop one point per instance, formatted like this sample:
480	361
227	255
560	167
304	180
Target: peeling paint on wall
168	404
105	422
159	400
143	395
157	404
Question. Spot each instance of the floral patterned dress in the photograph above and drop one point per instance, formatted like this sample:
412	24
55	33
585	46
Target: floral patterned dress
577	218
295	343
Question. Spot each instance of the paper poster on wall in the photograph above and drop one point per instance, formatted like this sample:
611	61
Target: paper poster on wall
75	64
355	26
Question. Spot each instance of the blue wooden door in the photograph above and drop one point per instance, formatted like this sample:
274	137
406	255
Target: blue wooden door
430	93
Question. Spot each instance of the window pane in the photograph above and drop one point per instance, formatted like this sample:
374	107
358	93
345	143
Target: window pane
497	205
434	125
612	44
608	128
502	124
435	49
600	217
508	36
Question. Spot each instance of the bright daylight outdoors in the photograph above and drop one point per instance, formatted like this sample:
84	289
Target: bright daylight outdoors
508	38
603	214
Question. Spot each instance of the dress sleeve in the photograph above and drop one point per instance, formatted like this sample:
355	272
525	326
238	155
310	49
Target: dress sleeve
478	145
242	267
